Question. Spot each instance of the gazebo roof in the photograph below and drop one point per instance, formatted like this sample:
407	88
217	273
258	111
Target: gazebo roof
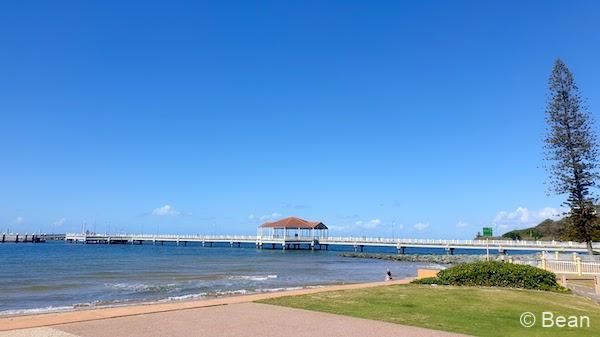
294	223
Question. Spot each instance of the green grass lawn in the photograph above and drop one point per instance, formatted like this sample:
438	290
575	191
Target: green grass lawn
470	310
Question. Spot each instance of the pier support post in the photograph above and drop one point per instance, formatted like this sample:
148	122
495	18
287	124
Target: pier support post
401	250
3	237
450	250
17	238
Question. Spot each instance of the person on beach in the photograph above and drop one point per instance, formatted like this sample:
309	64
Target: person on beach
388	275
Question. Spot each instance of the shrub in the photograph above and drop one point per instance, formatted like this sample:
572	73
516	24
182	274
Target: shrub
498	274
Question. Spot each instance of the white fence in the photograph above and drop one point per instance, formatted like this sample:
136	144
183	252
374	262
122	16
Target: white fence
565	263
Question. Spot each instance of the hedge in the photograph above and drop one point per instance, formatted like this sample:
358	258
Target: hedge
496	274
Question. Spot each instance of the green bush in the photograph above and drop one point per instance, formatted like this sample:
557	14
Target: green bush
497	274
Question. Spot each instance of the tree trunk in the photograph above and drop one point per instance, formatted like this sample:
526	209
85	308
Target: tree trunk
589	247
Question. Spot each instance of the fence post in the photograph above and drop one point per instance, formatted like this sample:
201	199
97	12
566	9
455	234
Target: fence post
574	256
556	255
578	263
563	279
544	263
597	284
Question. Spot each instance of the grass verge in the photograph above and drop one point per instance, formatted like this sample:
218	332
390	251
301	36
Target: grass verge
476	311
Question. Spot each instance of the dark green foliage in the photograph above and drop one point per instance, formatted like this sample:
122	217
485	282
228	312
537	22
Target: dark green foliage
497	274
572	151
513	235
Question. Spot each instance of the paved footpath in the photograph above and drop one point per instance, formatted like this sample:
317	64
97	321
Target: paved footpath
241	319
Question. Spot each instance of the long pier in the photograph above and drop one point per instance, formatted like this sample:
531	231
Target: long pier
29	238
356	243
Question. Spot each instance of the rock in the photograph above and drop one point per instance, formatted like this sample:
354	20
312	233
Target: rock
429	258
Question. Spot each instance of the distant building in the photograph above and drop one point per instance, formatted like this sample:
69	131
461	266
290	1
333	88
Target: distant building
293	229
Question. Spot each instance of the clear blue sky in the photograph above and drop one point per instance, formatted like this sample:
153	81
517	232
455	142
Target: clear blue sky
405	118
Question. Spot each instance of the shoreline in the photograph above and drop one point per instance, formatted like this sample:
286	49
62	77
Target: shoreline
80	315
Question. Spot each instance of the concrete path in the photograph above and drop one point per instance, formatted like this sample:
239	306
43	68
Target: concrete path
243	319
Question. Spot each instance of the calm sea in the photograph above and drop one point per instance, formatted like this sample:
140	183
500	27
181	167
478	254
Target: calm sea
58	276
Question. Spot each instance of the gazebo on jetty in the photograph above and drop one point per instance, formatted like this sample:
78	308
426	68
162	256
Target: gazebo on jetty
293	233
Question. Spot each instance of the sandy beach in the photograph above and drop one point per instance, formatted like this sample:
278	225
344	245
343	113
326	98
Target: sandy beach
229	316
56	318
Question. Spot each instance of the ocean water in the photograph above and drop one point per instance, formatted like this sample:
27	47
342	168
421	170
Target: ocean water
57	276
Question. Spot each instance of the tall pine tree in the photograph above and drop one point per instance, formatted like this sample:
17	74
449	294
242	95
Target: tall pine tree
572	150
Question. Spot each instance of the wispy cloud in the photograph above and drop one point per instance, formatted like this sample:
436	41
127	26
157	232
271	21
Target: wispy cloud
270	217
59	222
18	220
421	226
294	206
461	224
371	224
165	211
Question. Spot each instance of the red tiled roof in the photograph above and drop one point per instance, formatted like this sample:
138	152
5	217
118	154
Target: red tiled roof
294	223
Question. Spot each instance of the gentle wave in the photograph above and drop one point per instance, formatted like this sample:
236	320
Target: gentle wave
118	303
144	288
35	310
183	297
252	277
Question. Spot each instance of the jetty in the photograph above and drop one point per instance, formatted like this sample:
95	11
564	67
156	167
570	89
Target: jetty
30	238
318	243
297	233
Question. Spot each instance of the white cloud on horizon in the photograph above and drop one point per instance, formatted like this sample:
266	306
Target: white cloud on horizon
165	211
522	217
421	226
18	220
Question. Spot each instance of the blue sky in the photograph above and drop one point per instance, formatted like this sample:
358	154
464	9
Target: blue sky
420	119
